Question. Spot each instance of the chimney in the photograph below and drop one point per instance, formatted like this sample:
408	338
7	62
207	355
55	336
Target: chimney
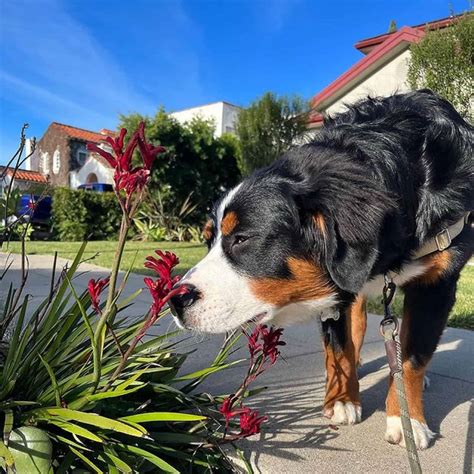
28	152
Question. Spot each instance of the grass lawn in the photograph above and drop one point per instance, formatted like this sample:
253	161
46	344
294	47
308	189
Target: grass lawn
188	253
461	316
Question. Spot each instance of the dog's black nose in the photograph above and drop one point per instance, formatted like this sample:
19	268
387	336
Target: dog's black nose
178	303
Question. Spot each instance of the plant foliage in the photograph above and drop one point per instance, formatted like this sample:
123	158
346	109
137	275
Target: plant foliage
83	387
145	421
443	61
195	159
156	221
268	128
79	214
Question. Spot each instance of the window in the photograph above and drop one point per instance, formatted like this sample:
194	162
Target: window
56	162
81	157
45	162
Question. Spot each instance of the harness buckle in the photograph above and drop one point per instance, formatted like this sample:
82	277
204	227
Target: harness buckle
443	240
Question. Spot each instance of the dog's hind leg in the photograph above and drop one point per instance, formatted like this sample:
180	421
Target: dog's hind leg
426	309
342	341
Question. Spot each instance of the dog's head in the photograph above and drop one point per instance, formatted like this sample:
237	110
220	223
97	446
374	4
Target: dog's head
288	243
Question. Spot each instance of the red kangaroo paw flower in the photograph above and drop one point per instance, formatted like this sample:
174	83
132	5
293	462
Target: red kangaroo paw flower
95	288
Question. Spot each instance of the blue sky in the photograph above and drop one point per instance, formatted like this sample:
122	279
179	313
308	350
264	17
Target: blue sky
83	62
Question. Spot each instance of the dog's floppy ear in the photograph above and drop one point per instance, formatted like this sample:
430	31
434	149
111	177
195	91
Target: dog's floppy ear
349	261
346	210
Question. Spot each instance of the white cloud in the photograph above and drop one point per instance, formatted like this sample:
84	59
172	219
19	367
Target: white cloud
45	45
28	93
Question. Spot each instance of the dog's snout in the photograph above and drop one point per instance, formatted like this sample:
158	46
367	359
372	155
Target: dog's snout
179	303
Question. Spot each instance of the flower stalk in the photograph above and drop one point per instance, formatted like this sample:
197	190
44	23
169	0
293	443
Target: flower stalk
161	290
129	182
263	346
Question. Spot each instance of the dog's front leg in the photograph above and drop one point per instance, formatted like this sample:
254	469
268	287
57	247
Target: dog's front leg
342	341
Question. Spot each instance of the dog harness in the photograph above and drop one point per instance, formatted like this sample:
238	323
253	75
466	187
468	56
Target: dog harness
442	240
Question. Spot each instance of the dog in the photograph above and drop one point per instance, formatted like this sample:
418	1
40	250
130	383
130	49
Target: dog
383	190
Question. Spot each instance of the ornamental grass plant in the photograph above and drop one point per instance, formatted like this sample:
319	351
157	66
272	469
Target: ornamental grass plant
85	389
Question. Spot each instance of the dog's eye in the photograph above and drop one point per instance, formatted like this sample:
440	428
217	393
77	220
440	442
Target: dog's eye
239	239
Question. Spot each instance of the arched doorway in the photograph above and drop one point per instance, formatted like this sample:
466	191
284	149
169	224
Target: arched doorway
91	178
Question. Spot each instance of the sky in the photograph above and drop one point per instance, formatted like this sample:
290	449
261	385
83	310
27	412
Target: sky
85	62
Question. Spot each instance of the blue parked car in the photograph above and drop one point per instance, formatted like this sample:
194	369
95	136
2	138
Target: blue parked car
36	208
37	211
97	187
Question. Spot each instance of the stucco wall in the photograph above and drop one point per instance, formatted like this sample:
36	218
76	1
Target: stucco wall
211	111
103	173
224	116
230	117
390	78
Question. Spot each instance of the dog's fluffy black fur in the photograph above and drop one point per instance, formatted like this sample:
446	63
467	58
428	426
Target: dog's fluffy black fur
387	175
315	231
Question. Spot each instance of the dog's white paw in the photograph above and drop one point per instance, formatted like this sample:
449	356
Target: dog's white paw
394	434
344	413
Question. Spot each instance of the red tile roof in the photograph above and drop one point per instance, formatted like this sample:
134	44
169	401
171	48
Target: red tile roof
366	45
79	133
107	132
25	175
396	40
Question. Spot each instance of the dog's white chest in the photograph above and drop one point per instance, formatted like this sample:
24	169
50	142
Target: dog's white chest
408	272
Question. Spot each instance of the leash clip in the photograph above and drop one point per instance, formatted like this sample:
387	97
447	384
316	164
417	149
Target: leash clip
389	323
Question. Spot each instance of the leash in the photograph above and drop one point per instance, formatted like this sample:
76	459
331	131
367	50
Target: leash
389	330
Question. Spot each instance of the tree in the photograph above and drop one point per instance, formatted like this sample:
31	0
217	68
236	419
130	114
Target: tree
195	162
443	61
392	27
268	128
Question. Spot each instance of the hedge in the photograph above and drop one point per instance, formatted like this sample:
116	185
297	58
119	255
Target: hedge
79	215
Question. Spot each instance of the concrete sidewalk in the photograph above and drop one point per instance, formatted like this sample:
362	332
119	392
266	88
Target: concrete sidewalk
297	438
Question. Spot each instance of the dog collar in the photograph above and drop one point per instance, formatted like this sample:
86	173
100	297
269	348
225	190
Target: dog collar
442	240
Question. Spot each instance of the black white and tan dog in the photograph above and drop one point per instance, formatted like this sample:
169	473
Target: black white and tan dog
384	188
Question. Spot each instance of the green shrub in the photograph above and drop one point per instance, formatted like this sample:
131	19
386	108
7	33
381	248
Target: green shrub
443	61
79	215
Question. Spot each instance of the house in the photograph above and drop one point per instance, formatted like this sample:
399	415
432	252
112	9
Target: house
24	180
223	114
62	156
381	72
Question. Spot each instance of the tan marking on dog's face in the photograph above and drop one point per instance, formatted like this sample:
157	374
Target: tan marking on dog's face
229	223
437	264
207	230
320	223
308	282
